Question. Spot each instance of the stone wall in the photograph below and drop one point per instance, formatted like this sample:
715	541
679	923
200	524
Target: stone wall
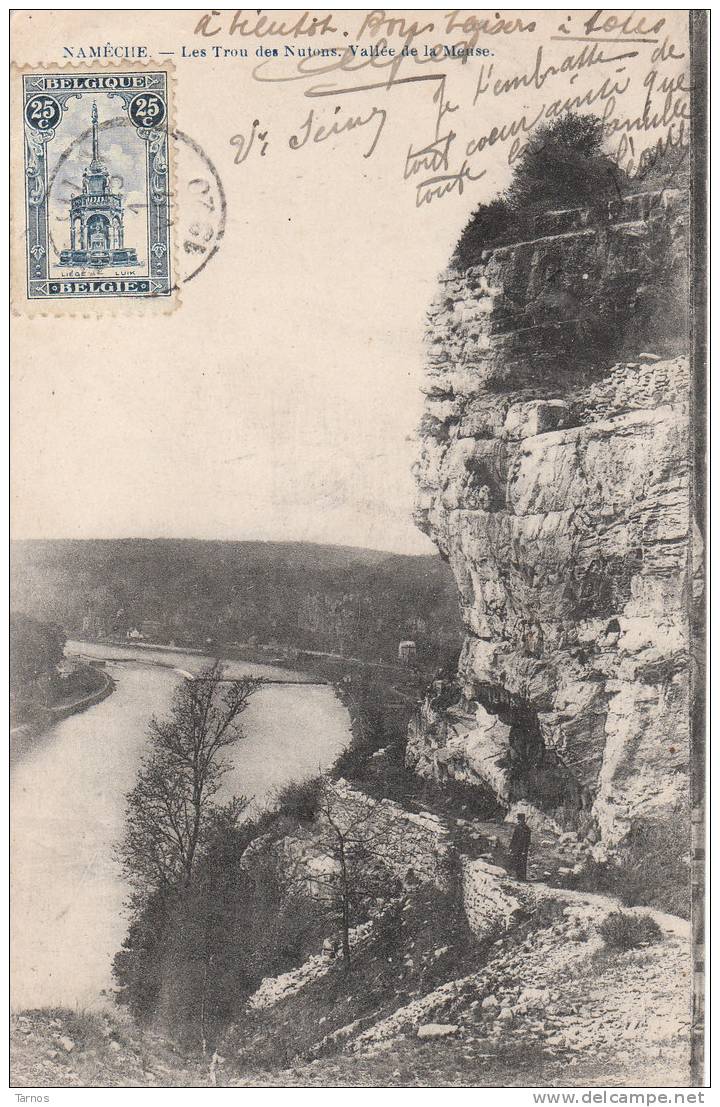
555	478
491	899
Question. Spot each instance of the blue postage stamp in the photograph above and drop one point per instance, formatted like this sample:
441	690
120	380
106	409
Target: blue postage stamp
97	185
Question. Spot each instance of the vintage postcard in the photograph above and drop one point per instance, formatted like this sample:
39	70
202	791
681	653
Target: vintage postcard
357	616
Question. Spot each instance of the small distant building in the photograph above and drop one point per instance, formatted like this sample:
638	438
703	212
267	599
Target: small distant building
68	666
135	635
407	653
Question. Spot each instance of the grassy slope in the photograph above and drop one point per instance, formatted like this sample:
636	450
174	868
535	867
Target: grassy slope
286	1044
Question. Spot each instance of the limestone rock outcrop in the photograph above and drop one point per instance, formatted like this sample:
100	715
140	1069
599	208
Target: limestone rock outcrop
555	478
414	847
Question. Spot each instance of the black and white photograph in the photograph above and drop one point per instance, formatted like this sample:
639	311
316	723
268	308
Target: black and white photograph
357	628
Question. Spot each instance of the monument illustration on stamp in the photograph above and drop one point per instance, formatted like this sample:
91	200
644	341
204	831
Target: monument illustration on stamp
97	185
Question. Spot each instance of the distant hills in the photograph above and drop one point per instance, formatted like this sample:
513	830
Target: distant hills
335	598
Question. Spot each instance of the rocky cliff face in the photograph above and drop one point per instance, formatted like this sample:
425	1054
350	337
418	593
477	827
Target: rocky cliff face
554	477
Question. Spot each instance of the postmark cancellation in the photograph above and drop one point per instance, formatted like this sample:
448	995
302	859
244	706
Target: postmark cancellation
98	189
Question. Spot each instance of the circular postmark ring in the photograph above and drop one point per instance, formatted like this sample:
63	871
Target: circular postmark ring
199	210
198	187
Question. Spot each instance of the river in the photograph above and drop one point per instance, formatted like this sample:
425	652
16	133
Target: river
67	806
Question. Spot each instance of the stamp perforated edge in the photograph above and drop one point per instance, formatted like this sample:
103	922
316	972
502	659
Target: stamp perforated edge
89	308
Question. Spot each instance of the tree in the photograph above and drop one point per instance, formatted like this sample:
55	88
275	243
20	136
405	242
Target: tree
489	225
350	852
174	824
564	166
36	650
172	806
193	955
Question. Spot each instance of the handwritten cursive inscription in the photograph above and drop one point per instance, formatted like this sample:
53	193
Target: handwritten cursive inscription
259	26
625	68
314	131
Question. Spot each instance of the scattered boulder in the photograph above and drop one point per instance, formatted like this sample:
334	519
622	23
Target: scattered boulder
66	1043
437	1030
490	1003
535	417
534	996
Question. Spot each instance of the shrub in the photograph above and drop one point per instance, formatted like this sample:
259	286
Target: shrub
194	954
654	868
352	762
596	876
299	799
621	930
651	869
548	912
489	225
387	933
87	1029
563	166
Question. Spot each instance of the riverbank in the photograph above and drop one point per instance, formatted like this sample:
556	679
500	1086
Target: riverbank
547	992
380	696
290	733
171	657
290	657
301	679
24	734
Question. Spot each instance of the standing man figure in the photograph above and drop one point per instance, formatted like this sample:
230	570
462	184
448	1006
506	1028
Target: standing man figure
519	847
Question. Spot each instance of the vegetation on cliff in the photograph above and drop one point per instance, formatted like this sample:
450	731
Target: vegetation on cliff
563	166
554	477
570	985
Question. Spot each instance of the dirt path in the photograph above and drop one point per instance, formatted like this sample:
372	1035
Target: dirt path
552	858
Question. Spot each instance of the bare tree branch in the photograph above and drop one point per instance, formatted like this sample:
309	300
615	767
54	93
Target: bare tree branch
172	803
